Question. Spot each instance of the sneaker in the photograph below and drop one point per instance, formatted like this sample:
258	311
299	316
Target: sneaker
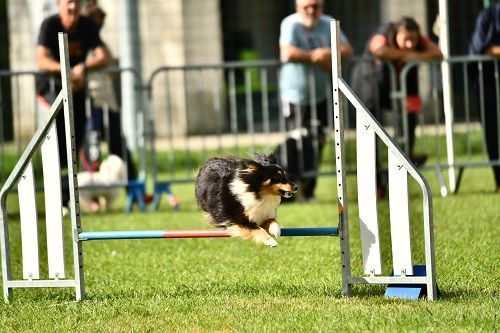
148	198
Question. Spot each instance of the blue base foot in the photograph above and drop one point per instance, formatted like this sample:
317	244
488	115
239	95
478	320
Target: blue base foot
159	189
408	291
135	193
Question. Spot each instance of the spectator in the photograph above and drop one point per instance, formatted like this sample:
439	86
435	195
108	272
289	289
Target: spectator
305	48
401	42
83	37
102	91
486	41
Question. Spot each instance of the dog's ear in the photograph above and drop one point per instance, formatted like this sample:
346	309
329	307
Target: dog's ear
250	166
267	158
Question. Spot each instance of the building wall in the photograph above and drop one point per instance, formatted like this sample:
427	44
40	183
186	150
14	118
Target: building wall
177	32
392	10
21	52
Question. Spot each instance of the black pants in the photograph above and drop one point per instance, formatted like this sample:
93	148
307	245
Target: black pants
490	117
115	140
316	123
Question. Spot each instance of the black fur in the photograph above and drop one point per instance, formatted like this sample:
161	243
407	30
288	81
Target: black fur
212	189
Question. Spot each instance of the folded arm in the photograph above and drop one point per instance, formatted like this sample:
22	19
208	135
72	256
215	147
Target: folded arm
380	49
46	63
321	56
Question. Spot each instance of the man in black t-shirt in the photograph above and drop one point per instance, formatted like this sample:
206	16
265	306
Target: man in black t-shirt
83	37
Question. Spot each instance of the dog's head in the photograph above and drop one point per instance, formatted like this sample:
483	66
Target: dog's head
266	178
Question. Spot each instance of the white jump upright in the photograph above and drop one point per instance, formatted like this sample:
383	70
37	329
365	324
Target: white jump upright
406	280
45	141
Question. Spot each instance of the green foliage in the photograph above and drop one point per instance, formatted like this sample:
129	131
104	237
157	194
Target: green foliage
212	285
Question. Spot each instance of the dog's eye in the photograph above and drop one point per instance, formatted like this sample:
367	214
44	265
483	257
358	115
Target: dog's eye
278	178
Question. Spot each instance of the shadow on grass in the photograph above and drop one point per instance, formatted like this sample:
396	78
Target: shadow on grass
233	290
221	289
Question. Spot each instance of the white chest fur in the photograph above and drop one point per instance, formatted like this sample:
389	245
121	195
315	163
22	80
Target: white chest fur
258	210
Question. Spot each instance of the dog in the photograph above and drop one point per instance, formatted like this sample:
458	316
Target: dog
98	190
242	195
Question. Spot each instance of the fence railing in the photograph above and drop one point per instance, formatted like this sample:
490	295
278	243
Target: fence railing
231	108
195	111
475	104
102	113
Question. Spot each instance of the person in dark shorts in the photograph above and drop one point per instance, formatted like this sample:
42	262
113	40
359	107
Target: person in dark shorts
86	51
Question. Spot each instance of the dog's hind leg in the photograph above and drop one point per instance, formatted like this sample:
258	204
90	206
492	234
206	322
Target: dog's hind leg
258	235
272	227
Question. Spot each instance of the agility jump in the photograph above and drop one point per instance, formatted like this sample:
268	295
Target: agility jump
407	280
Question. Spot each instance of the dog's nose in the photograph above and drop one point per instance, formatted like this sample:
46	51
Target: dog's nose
295	188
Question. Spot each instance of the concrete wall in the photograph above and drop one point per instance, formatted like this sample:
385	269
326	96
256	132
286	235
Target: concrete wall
21	52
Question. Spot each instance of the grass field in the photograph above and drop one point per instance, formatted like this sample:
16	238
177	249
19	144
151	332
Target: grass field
207	285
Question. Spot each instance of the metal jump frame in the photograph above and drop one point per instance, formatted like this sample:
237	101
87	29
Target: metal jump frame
65	99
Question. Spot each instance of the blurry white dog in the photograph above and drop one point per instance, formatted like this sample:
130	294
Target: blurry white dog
98	190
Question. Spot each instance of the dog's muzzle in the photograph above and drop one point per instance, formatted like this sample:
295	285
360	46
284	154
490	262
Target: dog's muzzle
289	194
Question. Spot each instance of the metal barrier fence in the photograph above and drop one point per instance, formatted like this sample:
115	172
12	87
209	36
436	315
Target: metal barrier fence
465	132
195	111
28	113
230	108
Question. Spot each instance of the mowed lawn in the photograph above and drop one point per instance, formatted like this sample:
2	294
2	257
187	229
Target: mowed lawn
212	285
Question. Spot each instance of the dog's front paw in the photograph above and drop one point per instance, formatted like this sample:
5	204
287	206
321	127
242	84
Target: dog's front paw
274	229
271	242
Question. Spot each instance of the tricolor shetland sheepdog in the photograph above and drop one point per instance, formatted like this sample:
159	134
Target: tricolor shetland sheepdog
242	195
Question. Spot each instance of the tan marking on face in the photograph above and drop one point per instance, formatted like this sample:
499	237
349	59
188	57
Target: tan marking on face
270	189
250	169
286	187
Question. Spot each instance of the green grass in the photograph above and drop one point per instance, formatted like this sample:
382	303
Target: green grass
209	285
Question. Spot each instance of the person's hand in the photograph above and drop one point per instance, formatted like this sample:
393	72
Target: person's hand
323	57
493	50
78	77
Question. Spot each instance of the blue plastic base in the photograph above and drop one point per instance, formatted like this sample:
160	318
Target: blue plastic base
408	291
159	189
135	193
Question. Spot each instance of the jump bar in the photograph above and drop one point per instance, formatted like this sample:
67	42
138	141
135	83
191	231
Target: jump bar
144	234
